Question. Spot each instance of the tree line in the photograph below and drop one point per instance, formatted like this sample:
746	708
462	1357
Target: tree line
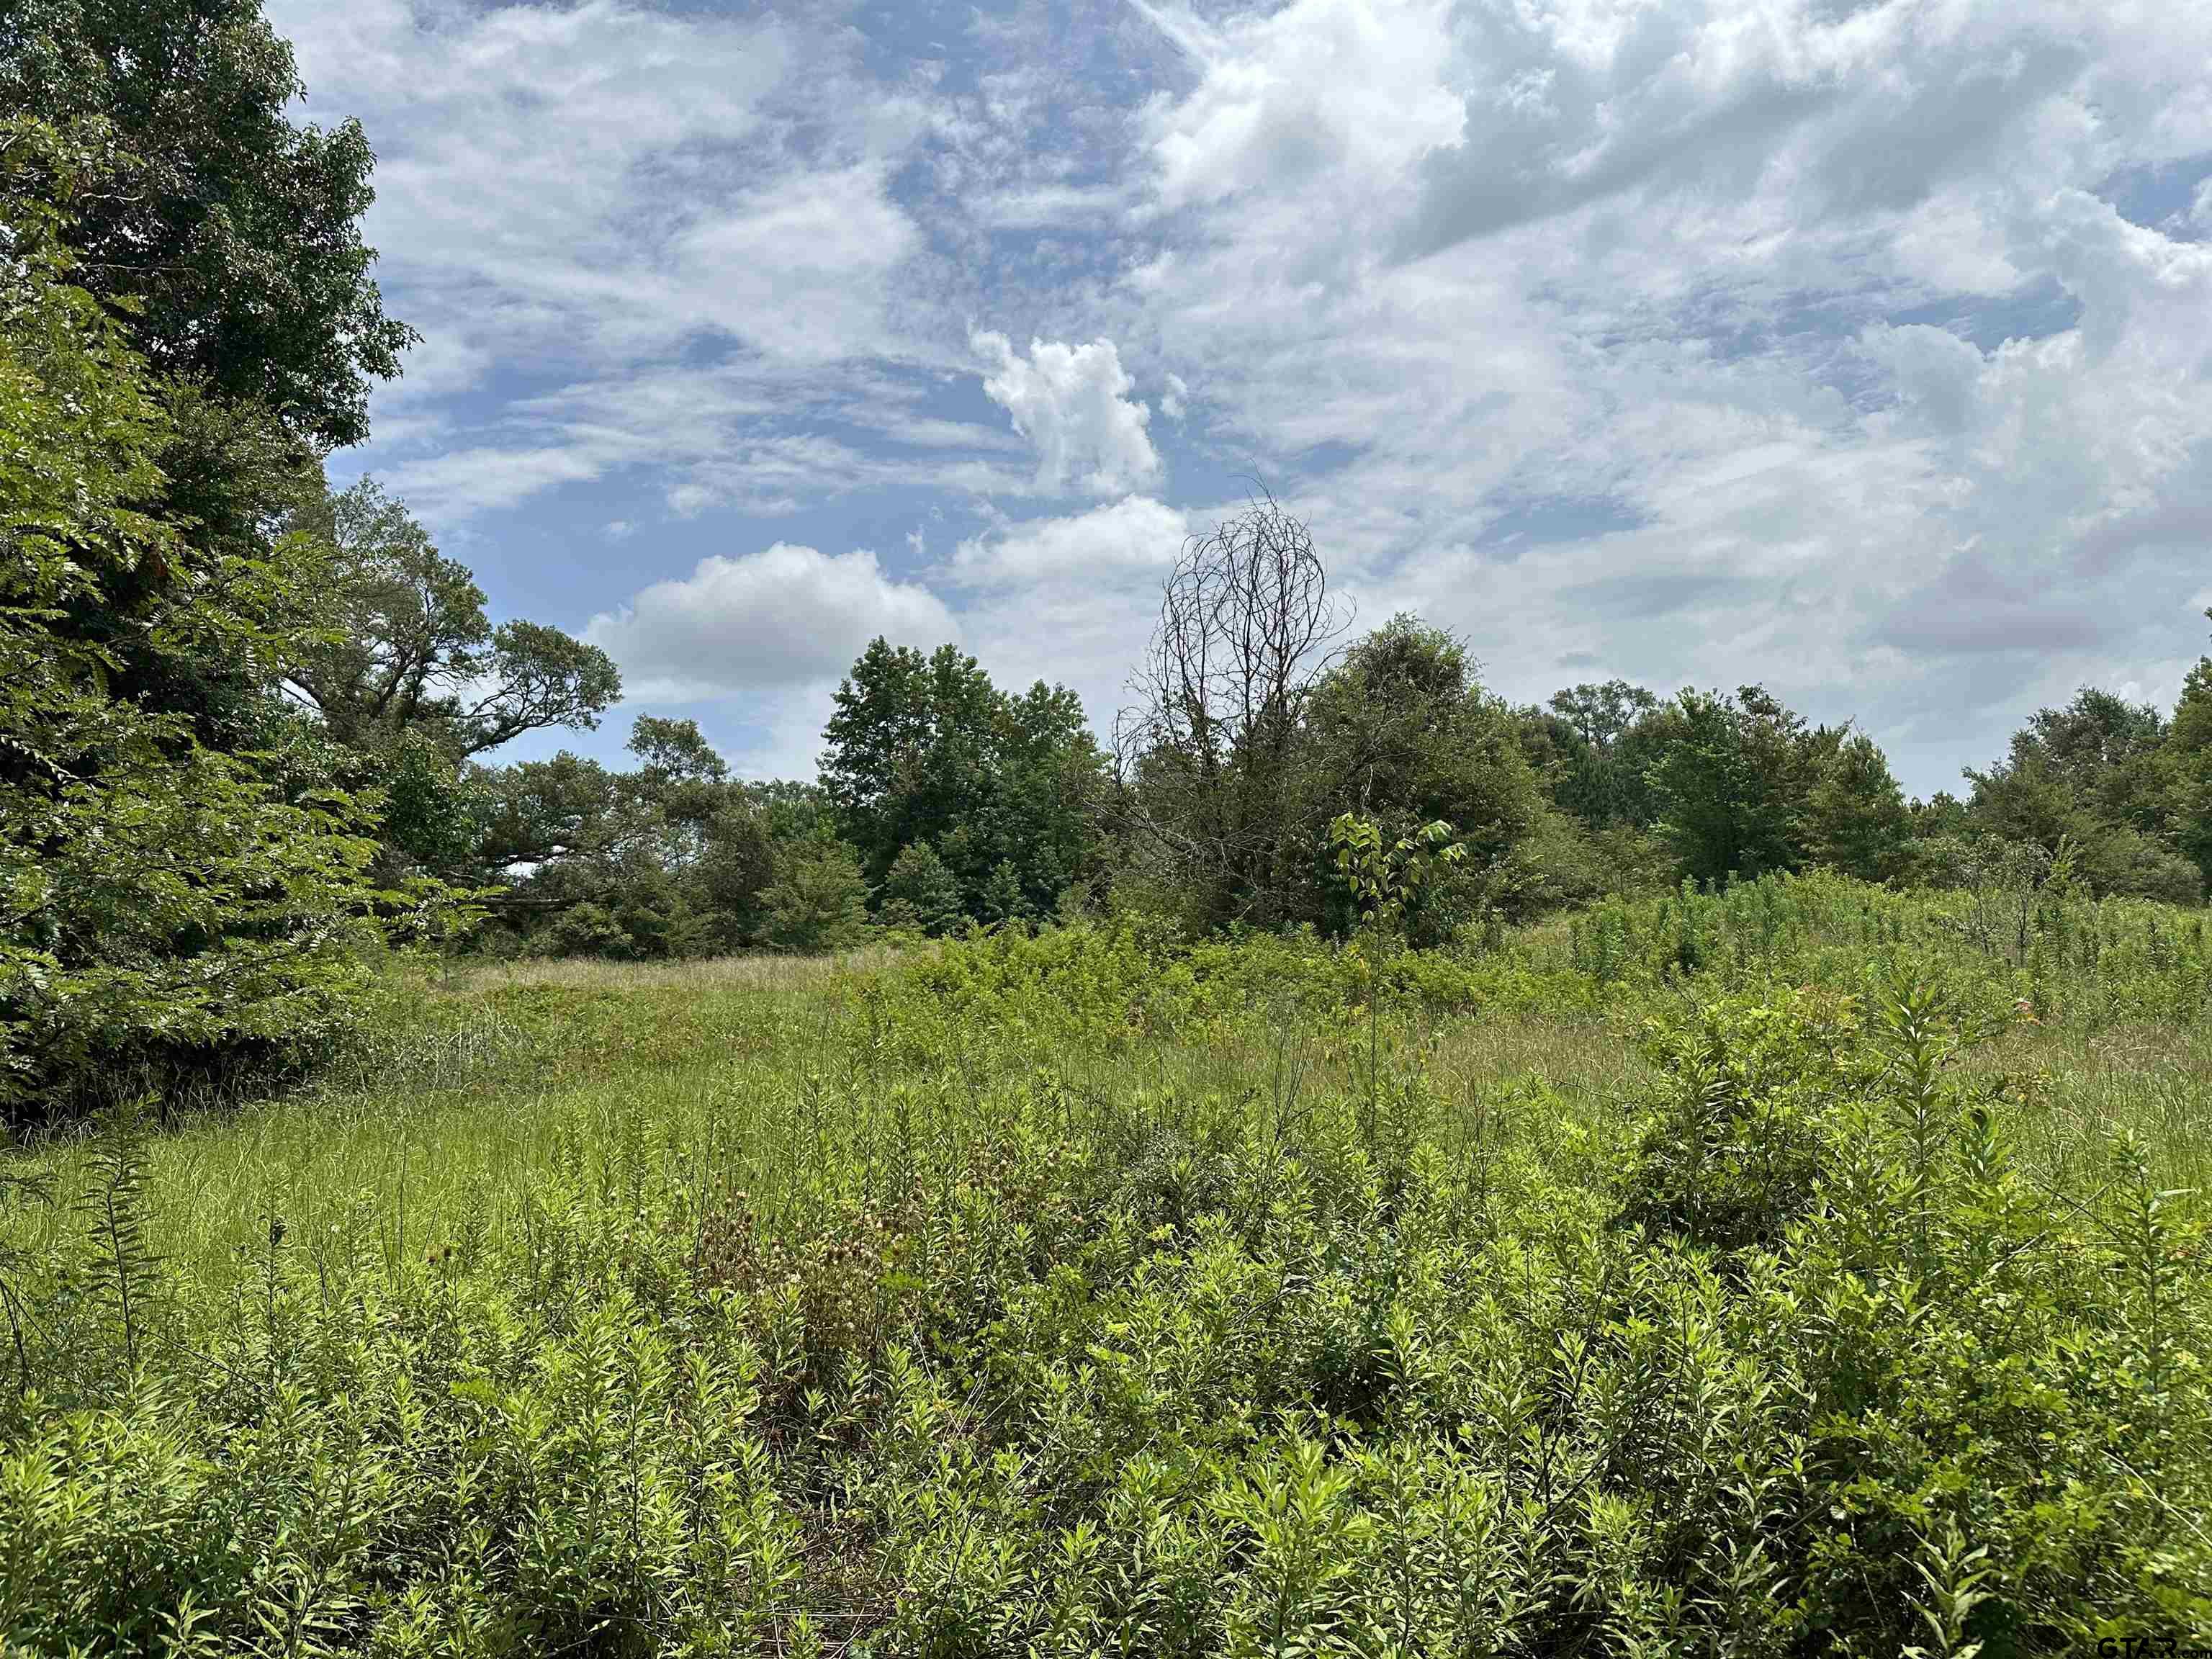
250	724
1256	719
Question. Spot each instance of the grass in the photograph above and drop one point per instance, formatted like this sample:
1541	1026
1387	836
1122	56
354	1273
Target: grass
1797	1269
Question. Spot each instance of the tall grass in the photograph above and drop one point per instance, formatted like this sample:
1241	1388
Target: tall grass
1797	1269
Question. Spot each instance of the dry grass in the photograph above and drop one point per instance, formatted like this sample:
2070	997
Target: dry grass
754	972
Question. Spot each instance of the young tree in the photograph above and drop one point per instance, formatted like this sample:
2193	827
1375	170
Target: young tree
1004	900
920	892
818	901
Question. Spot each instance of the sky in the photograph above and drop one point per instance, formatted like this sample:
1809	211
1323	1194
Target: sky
1861	351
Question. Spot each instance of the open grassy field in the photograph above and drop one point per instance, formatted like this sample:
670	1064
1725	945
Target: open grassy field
1807	1269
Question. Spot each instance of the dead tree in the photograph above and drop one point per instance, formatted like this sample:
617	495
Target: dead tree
1207	760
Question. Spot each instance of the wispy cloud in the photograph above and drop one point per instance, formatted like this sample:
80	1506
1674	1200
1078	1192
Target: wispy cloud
1858	348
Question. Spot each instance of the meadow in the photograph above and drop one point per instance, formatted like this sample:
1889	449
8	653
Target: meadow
1805	1268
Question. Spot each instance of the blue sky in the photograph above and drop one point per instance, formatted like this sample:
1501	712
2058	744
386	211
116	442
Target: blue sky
1860	349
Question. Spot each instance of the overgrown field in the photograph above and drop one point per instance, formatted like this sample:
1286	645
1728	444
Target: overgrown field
1809	1269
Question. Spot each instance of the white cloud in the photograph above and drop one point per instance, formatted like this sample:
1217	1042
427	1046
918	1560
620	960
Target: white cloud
1691	339
1070	402
605	191
1102	547
1628	358
800	270
784	617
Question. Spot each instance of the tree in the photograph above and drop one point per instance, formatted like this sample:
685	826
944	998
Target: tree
162	902
927	749
1004	900
2187	755
1207	759
736	865
405	645
1402	731
1856	819
1595	747
909	749
1732	779
2100	774
819	899
237	231
920	892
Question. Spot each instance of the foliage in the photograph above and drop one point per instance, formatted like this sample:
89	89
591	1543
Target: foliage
1732	781
161	900
818	900
1385	880
1066	1294
1595	745
927	749
235	231
920	892
1855	818
402	672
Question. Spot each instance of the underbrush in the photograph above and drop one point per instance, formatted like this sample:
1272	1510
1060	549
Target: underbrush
1097	1292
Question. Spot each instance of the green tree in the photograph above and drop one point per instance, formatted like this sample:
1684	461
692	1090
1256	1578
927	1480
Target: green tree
404	645
1856	819
1402	731
2100	774
1594	746
1004	900
161	901
235	230
920	892
925	749
1732	779
2187	754
819	899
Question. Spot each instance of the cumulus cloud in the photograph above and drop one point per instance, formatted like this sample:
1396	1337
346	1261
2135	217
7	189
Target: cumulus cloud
1071	402
1135	536
783	617
1855	347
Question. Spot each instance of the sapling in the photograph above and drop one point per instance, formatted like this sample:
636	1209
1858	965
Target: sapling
1384	880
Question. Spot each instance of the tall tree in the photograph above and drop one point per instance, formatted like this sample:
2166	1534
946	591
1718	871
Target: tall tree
161	901
2188	769
1732	779
1209	756
235	230
927	749
2097	773
1856	819
404	645
1596	745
